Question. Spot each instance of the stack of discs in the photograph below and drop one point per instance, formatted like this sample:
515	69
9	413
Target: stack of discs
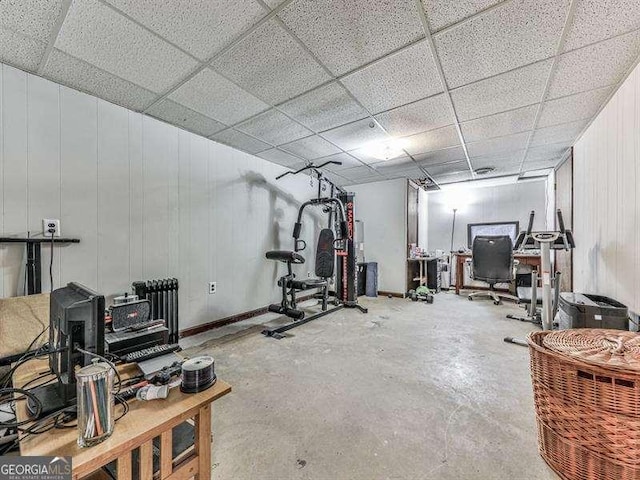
197	374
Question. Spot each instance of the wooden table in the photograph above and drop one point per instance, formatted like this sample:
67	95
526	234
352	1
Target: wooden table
524	258
137	429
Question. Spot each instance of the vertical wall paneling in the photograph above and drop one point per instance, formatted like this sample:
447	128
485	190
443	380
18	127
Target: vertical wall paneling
79	181
43	186
113	198
606	172
146	199
14	175
136	197
184	231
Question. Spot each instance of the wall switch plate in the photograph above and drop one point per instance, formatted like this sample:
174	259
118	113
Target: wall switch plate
48	224
212	287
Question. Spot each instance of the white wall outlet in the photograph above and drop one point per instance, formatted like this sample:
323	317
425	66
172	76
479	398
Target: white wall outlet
49	224
308	274
212	287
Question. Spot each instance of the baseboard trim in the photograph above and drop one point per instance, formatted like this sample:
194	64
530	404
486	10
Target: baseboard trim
383	293
188	332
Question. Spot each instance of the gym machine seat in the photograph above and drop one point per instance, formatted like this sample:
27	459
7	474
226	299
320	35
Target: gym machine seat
285	256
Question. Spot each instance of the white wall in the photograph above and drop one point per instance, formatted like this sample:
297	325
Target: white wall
607	202
147	200
483	204
382	206
423	219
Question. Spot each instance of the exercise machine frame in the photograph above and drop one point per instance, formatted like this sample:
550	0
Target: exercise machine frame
547	240
340	207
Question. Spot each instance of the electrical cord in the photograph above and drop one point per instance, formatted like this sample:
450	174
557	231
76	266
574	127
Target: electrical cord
51	231
104	359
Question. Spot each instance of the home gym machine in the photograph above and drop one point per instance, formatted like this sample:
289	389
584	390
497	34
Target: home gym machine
545	241
332	248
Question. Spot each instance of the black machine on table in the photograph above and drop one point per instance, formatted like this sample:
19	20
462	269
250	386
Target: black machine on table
335	248
561	239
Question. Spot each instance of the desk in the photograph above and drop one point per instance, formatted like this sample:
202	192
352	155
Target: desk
422	277
137	429
524	258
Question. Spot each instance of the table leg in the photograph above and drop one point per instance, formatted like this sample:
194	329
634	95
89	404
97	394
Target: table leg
124	466
166	454
146	460
203	442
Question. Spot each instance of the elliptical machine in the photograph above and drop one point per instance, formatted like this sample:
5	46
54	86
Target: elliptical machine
545	241
339	205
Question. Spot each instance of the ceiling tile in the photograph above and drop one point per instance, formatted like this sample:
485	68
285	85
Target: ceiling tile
74	73
184	117
416	117
239	140
281	158
311	147
32	18
358	173
345	35
271	65
448	168
440	156
347	160
190	23
595	20
397	79
452	178
502	160
546	152
98	35
539	165
515	34
217	97
567	133
574	107
364	155
432	140
413	172
500	124
441	14
595	66
509	143
335	178
518	88
325	107
274	127
356	134
20	51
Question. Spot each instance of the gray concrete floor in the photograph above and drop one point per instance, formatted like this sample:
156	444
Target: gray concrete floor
408	391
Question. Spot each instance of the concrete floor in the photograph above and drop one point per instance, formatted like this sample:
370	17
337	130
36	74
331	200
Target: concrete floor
408	391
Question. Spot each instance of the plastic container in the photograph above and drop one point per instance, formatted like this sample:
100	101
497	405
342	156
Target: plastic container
579	310
95	403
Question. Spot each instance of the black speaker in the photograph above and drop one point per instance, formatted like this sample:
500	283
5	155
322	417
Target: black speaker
130	315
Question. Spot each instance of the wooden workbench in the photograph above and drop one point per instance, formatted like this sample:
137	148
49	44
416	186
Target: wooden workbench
137	429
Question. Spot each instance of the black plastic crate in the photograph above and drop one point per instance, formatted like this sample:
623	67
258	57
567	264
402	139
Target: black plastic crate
580	310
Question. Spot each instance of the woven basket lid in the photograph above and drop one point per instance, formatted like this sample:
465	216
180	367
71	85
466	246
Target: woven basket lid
607	348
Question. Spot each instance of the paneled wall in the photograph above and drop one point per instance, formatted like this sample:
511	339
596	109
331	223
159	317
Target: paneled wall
606	165
382	206
505	203
147	200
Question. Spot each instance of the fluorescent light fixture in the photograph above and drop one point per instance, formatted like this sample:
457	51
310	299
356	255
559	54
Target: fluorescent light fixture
386	150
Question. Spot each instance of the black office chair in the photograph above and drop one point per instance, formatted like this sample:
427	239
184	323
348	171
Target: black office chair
492	262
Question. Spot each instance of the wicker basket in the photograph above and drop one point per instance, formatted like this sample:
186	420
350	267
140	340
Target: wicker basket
586	386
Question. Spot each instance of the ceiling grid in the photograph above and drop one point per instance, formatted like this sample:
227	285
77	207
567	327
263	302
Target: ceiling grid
444	90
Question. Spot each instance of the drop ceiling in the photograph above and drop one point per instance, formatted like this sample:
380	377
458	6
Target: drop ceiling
458	85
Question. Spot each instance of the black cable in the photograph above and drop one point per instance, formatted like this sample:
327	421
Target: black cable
26	393
113	367
51	263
